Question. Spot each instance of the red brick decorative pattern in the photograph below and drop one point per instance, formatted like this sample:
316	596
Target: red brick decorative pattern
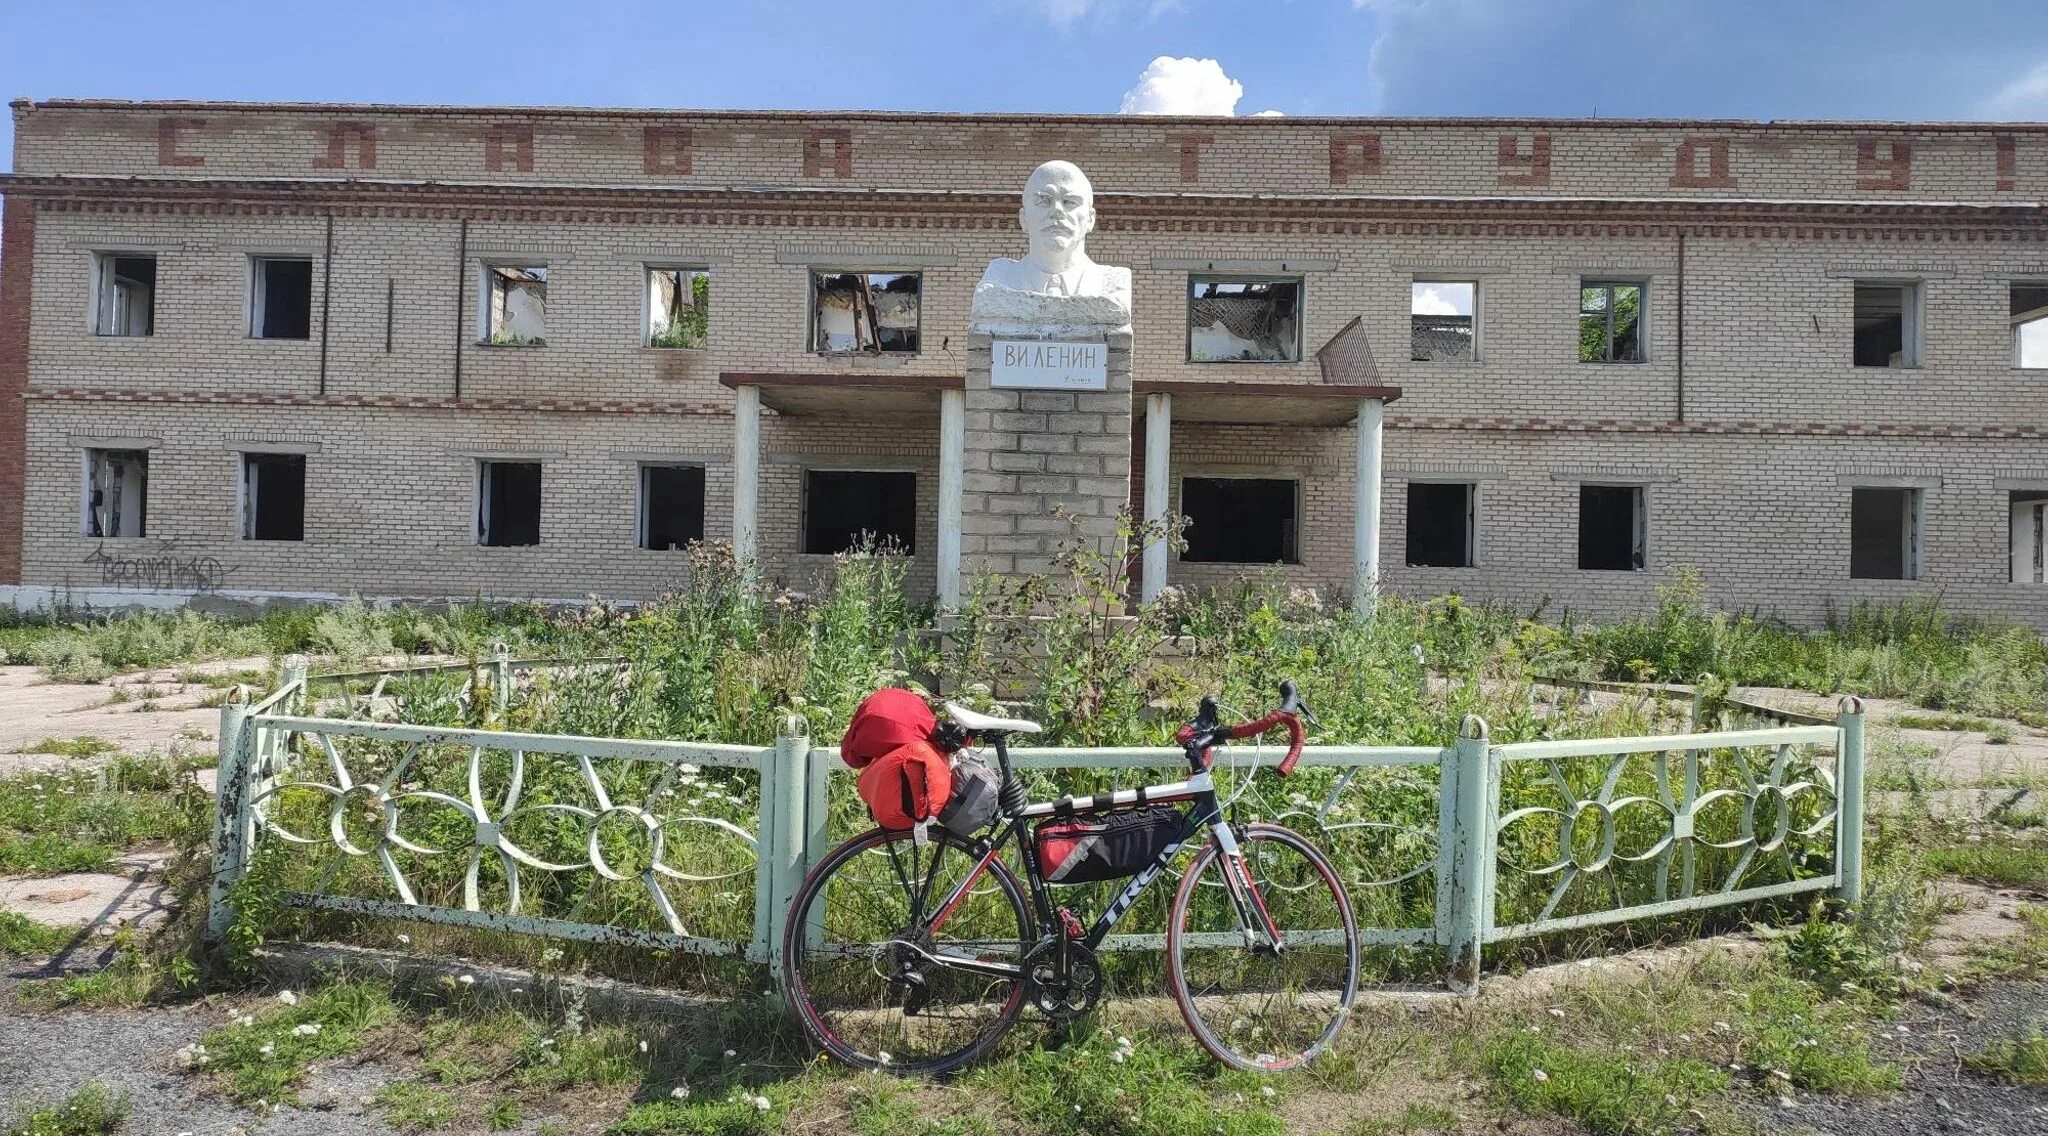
840	163
1892	171
1702	163
168	130
2008	164
665	150
509	146
341	136
1353	155
1517	168
17	257
1191	156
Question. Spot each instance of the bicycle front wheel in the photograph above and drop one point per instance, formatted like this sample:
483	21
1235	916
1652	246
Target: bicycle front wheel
1252	1006
874	984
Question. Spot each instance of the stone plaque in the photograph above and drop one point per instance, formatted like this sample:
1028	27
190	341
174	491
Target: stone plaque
1037	364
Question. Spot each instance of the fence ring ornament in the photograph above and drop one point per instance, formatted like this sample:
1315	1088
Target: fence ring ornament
650	832
1567	846
1781	809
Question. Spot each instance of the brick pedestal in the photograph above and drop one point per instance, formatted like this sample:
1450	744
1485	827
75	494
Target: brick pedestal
1031	454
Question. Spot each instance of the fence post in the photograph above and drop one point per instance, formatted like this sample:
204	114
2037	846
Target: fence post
231	835
1849	803
1470	839
785	785
501	677
294	675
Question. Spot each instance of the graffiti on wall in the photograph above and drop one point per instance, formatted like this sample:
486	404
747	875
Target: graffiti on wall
164	569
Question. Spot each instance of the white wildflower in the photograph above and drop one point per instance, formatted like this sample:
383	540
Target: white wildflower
467	979
404	940
763	1103
307	1029
1556	1013
643	1047
735	1053
246	1020
268	1049
1540	1076
1267	1092
880	1058
288	998
680	1092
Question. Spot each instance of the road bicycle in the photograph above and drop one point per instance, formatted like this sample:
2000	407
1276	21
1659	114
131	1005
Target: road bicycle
917	951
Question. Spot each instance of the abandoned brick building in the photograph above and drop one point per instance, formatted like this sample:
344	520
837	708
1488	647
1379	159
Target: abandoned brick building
434	351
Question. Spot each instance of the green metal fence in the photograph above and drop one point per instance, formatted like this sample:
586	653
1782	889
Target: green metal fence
1490	842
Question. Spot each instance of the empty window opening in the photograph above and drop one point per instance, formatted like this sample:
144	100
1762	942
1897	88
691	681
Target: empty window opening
1613	528
866	313
273	497
1884	533
678	306
845	509
516	305
508	504
1887	325
1442	324
671	505
124	294
1440	525
1240	520
1610	322
2030	325
116	492
281	298
1243	321
2030	536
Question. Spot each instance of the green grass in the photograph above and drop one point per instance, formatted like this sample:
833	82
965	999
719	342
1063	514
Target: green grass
413	1107
265	1059
1997	861
2022	957
130	980
93	1110
85	745
1952	722
2022	1060
78	820
24	937
1607	1092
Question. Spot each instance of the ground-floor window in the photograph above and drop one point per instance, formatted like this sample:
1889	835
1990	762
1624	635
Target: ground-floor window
1241	520
116	500
844	507
1440	524
508	503
671	505
273	497
1613	528
2029	536
1884	533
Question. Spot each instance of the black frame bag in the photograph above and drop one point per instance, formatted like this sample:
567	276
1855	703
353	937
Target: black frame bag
1109	846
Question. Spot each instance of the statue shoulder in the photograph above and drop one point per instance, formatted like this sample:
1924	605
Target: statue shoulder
1002	272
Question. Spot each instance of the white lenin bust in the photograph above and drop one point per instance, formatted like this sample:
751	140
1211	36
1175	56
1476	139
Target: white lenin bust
1055	289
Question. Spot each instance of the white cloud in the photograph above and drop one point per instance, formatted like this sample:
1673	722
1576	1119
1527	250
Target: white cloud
2025	98
1432	300
1172	85
1063	13
1271	114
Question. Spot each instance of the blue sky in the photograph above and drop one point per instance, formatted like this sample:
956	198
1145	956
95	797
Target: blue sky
1883	59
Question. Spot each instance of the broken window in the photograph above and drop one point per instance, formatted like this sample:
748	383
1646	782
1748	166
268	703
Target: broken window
1232	320
1610	322
1240	520
2029	536
281	298
1884	533
1887	325
516	305
1440	524
124	294
508	504
865	313
273	496
116	492
1442	323
678	306
671	505
1613	528
846	508
2030	325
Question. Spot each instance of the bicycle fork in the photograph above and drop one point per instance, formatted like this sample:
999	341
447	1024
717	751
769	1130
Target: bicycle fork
1252	916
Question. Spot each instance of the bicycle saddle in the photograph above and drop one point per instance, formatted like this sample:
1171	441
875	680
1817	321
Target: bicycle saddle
986	724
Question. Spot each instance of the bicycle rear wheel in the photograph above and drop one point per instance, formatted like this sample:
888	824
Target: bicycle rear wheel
871	988
1251	1006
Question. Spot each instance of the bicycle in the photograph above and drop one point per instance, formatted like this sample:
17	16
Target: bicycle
899	956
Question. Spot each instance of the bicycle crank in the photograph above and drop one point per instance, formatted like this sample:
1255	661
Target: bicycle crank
1062	996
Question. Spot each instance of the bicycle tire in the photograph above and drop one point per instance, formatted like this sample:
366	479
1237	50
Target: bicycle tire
801	964
1258	1046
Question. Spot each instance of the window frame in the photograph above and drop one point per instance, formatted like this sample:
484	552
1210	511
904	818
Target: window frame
649	268
1912	321
480	505
1300	283
2015	323
1610	283
487	285
811	275
85	481
245	501
1478	318
640	469
1472	551
1300	502
1913	531
102	280
259	286
803	519
1640	536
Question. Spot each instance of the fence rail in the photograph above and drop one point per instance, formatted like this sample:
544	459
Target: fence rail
1528	839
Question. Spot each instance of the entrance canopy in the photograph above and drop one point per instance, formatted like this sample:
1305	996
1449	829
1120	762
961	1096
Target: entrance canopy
845	395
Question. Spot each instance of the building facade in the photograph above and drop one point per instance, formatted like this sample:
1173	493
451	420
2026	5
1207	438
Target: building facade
430	351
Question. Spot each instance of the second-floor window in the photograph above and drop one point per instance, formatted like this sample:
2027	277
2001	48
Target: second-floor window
866	313
124	294
1443	321
1887	324
678	306
281	297
1610	322
2029	307
1243	320
516	305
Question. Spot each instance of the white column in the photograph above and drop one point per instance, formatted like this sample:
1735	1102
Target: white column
746	477
952	472
1365	529
1158	480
